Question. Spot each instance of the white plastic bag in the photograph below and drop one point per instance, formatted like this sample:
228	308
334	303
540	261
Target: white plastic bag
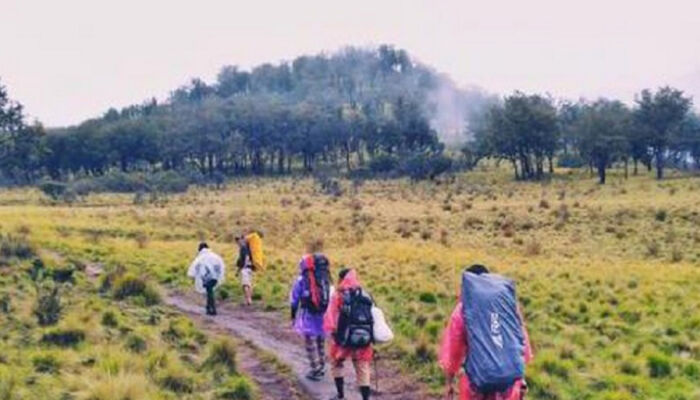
382	332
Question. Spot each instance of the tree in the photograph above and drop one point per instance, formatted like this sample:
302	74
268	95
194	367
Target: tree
601	133
20	144
659	115
524	130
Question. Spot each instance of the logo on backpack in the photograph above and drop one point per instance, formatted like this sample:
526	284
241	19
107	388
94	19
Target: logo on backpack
317	283
355	323
496	330
490	310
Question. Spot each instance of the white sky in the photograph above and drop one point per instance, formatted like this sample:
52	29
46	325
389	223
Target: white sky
69	60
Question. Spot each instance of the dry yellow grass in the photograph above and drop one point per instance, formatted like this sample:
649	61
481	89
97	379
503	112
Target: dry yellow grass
609	275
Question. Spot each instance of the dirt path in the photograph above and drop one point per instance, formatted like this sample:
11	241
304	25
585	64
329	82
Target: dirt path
272	333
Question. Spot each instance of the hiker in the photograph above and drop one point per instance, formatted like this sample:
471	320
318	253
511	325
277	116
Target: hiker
245	269
494	361
349	321
207	270
309	299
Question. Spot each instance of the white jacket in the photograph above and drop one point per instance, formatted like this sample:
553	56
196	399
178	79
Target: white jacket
206	266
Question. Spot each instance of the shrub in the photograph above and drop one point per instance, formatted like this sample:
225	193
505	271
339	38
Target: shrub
136	343
236	388
383	164
177	380
63	275
659	366
55	190
425	166
63	337
660	215
427	297
570	160
222	353
46	364
109	318
167	182
132	286
48	307
15	247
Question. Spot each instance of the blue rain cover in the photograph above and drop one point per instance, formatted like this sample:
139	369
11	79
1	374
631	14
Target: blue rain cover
494	332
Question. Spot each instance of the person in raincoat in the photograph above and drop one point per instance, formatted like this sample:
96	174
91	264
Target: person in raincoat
454	349
306	322
362	357
207	270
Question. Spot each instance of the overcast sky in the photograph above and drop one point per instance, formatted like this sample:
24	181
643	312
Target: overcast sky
72	59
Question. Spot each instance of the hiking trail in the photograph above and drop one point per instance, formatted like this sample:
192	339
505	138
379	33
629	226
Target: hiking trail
272	333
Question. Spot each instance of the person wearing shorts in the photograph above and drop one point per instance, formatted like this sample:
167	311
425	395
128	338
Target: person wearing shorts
245	269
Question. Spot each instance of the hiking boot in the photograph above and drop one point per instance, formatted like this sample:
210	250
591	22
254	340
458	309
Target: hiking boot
313	375
320	372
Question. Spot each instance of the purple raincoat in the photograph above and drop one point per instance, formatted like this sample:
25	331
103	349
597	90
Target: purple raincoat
306	323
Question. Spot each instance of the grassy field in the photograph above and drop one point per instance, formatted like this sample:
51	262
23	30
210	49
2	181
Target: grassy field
609	277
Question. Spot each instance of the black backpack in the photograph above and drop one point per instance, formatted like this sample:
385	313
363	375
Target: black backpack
355	323
318	265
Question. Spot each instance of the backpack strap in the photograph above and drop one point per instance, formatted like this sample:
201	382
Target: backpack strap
310	264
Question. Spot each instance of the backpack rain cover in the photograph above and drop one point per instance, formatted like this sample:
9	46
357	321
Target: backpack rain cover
494	332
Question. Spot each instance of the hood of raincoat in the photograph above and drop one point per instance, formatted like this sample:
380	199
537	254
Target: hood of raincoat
302	264
350	281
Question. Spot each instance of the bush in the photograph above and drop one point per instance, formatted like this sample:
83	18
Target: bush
15	247
109	319
423	166
48	307
237	388
659	366
177	380
167	182
46	364
222	353
136	343
427	297
660	215
63	337
63	275
132	286
120	182
570	160
383	164
55	190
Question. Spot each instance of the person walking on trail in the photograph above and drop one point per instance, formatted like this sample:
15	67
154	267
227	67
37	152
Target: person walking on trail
486	338
207	270
309	299
349	321
245	269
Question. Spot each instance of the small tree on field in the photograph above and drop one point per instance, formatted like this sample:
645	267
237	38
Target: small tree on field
659	115
601	133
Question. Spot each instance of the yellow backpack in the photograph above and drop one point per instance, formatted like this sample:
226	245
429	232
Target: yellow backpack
255	245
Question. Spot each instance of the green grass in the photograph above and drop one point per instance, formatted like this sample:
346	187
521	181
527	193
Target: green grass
609	276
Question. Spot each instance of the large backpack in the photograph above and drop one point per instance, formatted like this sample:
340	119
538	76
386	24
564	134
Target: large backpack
255	246
355	322
494	332
317	283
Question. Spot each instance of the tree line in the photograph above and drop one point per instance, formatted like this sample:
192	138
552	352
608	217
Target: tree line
340	110
358	111
529	131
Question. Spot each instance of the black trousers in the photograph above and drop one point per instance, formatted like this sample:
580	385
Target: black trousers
211	300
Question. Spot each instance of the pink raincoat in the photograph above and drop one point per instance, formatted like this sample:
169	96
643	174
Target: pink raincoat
453	352
330	322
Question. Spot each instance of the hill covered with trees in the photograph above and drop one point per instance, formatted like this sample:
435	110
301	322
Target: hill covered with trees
361	111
